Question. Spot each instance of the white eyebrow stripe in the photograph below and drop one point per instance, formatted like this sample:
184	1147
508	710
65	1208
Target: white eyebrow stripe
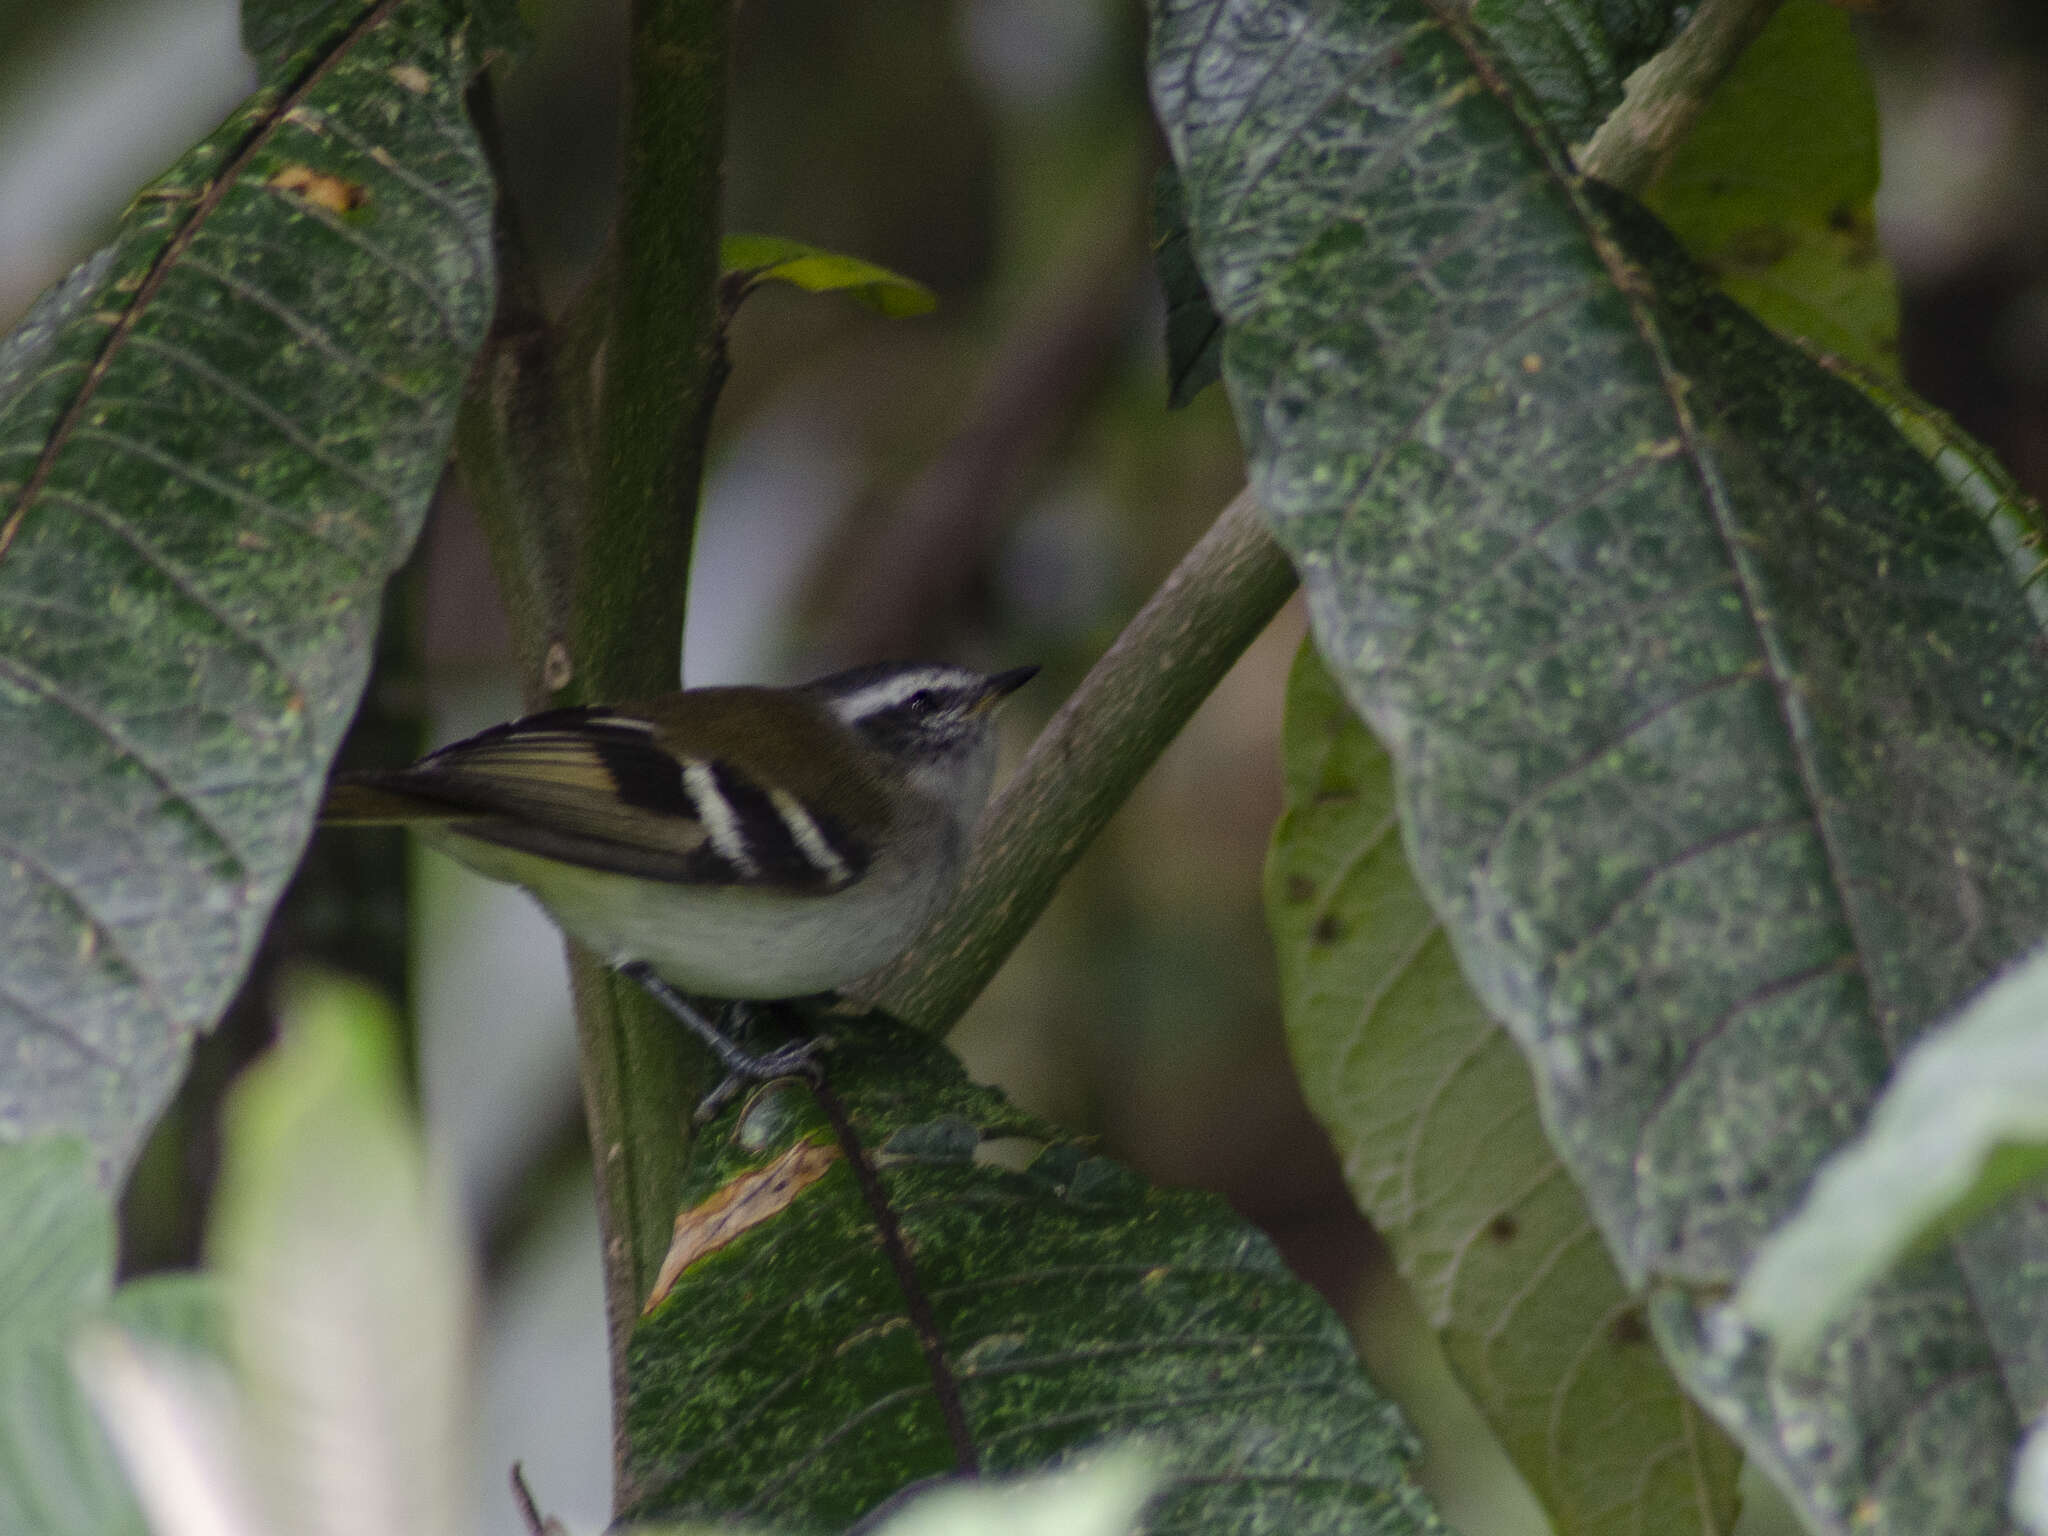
810	838
891	691
721	823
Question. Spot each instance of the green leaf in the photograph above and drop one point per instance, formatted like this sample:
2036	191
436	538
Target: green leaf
751	260
786	1375
2013	517
343	1274
58	1259
1194	336
221	434
1774	190
1434	1117
57	1474
1963	1126
1717	717
2030	1481
1574	55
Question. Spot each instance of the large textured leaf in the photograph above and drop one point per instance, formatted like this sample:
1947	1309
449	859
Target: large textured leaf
791	1374
217	438
1774	190
1434	1116
1717	716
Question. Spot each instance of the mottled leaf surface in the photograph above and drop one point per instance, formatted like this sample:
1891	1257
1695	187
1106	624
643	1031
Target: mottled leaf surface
2015	519
1433	1114
1717	717
1574	55
217	438
1194	336
784	1380
1962	1127
1774	189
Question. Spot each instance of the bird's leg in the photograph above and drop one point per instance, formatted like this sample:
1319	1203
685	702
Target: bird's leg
742	1066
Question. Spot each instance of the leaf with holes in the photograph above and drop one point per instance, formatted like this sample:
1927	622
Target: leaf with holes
1719	721
1434	1117
217	439
836	1329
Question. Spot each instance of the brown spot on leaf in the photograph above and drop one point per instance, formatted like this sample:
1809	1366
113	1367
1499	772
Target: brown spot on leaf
1758	247
1629	1327
1326	931
1503	1228
334	193
1299	888
750	1199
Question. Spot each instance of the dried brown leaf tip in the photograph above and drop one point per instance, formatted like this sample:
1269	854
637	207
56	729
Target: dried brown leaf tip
334	193
747	1201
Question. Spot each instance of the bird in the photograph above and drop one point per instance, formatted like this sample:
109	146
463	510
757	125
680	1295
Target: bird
741	843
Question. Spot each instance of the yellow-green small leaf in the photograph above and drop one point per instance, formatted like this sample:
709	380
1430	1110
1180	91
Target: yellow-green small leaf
757	259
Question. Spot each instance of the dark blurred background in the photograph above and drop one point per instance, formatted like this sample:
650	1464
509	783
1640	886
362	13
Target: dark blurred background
996	483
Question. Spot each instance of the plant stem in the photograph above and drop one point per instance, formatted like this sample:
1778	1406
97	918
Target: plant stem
512	449
662	362
1087	761
659	375
590	515
1668	94
1134	702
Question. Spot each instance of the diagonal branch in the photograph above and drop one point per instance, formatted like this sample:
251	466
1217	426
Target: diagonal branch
1223	593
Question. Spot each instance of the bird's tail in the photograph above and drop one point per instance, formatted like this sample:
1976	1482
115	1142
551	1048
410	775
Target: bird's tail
365	800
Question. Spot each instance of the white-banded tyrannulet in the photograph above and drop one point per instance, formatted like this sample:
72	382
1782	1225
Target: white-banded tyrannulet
726	842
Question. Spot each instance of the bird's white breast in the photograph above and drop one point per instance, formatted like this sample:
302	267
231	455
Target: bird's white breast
727	941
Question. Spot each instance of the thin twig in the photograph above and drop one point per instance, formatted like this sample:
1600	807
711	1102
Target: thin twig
1105	738
1085	764
1666	96
511	446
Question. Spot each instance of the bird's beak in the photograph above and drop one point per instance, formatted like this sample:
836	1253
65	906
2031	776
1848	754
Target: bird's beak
1002	685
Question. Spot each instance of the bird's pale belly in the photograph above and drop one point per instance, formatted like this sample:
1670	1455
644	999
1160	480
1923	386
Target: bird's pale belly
729	942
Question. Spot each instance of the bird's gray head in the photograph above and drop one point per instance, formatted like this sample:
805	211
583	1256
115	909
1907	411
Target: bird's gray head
935	718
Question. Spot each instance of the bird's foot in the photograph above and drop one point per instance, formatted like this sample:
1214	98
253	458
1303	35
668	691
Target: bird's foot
796	1059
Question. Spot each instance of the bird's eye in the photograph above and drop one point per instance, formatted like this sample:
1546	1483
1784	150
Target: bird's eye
921	703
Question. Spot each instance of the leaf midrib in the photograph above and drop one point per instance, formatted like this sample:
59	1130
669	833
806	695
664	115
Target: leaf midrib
1700	458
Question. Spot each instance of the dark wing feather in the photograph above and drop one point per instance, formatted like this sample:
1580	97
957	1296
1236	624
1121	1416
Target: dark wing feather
597	787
